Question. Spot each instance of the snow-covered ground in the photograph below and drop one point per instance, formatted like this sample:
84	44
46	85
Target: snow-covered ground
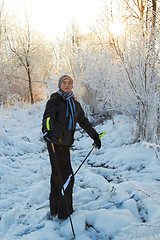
25	174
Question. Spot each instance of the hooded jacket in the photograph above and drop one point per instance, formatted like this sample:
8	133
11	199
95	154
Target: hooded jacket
56	110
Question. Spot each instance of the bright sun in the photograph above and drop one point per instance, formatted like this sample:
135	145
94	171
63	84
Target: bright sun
116	28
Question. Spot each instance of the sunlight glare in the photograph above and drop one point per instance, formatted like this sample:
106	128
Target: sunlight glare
53	17
116	28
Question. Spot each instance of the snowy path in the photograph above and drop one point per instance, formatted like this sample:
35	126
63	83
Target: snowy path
25	173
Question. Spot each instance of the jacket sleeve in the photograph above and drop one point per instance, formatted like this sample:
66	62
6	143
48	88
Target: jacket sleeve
85	124
50	112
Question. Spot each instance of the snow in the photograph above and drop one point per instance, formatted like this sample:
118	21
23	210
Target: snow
25	183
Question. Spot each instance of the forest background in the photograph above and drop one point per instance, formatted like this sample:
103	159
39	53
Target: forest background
113	71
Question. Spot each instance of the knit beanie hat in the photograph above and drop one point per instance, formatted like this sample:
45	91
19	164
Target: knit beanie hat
62	78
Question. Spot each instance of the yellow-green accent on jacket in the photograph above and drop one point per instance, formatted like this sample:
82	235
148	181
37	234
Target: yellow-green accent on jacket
47	124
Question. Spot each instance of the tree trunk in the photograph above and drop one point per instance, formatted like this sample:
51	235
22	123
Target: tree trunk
30	89
30	82
154	8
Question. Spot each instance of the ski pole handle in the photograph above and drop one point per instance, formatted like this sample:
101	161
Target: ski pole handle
101	135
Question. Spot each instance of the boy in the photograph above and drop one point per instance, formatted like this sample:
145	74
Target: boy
59	121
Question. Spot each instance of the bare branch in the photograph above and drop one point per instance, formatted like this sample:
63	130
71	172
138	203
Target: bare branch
131	10
12	76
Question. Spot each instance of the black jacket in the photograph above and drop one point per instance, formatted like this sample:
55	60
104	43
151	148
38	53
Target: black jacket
56	110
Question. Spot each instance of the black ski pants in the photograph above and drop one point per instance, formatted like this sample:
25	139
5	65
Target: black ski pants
61	170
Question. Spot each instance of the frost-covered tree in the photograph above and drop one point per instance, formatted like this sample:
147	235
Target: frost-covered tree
138	52
28	58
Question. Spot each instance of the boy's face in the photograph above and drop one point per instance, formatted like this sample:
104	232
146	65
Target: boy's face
67	85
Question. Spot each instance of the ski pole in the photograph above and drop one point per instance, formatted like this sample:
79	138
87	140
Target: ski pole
42	207
66	202
100	136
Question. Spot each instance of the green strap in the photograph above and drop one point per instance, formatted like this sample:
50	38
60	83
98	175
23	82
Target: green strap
47	124
101	135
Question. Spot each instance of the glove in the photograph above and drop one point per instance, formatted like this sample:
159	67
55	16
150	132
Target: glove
97	142
47	136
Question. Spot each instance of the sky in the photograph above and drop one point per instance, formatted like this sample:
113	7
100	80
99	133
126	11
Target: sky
52	17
